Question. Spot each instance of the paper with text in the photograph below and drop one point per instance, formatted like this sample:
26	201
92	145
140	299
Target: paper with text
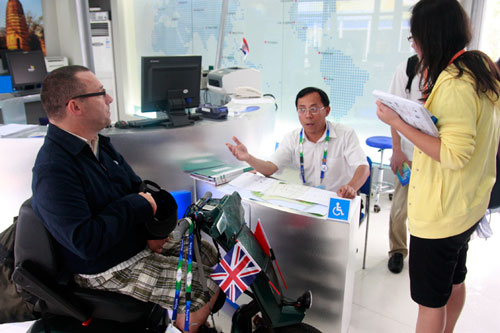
413	113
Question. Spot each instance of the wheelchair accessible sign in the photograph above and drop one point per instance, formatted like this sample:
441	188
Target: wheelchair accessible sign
339	209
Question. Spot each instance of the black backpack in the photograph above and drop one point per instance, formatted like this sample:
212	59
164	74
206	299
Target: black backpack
411	70
13	307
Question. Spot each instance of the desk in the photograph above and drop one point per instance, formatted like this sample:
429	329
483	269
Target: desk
21	110
314	253
157	153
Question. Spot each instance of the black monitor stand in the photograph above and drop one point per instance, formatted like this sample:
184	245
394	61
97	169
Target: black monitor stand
178	119
177	114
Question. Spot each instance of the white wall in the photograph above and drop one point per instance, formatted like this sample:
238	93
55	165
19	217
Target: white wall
63	38
474	9
126	69
61	30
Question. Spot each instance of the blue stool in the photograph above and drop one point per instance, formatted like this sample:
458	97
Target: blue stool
382	143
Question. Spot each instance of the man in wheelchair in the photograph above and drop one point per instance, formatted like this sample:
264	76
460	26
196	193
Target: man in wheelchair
91	202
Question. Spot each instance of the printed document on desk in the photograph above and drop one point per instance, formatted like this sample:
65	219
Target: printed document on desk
299	197
413	113
253	182
278	188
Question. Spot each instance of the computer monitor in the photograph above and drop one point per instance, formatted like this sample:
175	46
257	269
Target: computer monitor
171	84
3	52
27	69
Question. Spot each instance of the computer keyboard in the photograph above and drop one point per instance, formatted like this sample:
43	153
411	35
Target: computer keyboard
22	93
147	122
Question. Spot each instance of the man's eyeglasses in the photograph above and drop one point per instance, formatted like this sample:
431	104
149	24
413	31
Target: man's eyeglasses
312	110
99	93
410	38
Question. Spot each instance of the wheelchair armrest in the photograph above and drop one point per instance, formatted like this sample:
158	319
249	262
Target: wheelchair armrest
24	276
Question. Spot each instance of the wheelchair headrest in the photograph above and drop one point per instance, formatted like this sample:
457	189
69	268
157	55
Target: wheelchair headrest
33	241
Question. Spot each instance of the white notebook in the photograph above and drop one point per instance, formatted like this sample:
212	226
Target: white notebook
413	113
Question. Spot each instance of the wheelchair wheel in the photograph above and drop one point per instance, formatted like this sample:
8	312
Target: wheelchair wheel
295	328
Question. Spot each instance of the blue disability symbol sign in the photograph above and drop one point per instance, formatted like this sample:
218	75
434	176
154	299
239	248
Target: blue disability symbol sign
339	209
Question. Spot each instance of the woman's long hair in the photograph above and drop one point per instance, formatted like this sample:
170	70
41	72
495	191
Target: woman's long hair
441	28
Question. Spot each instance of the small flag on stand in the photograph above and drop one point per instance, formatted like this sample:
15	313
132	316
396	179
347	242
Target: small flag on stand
236	272
244	47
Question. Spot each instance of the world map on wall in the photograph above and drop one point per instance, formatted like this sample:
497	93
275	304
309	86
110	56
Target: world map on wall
291	43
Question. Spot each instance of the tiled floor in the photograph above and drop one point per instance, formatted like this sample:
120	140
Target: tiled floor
382	299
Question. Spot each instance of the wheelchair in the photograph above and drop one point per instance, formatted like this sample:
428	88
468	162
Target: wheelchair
61	304
66	307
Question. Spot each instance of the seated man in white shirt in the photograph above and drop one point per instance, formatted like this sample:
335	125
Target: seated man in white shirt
327	154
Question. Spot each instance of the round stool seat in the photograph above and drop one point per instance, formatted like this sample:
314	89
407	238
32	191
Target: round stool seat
380	142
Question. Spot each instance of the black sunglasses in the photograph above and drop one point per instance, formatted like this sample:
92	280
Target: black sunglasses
100	93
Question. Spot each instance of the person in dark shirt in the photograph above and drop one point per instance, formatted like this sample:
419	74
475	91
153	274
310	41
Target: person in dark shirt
88	198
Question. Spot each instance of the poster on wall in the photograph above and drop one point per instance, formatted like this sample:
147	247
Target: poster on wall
21	25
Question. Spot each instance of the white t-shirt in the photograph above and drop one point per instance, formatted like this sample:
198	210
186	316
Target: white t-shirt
344	156
398	88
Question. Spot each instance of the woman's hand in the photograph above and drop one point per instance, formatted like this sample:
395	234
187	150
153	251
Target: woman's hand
387	115
428	144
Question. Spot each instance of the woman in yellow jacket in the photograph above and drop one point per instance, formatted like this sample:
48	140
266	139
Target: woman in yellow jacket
453	174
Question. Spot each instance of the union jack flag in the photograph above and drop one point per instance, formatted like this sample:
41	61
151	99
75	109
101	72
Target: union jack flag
235	272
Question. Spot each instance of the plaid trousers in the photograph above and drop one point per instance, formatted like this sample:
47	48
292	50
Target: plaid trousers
150	277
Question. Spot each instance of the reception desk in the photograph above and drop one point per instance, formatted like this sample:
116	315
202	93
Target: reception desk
314	253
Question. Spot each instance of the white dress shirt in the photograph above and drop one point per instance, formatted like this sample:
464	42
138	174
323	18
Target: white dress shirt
344	156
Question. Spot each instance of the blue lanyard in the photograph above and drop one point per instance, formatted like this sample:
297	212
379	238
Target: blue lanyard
323	161
189	279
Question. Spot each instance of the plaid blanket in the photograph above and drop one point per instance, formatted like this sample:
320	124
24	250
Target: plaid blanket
150	277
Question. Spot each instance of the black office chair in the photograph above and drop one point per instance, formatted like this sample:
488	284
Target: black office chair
61	302
365	213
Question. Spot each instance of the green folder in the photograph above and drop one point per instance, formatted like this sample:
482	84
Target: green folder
200	163
220	174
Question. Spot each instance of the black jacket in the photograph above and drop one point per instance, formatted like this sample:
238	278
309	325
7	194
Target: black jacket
89	205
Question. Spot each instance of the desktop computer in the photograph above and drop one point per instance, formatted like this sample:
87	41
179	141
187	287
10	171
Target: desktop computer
27	70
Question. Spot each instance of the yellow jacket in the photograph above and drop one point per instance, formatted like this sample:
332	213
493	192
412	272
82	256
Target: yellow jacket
446	198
